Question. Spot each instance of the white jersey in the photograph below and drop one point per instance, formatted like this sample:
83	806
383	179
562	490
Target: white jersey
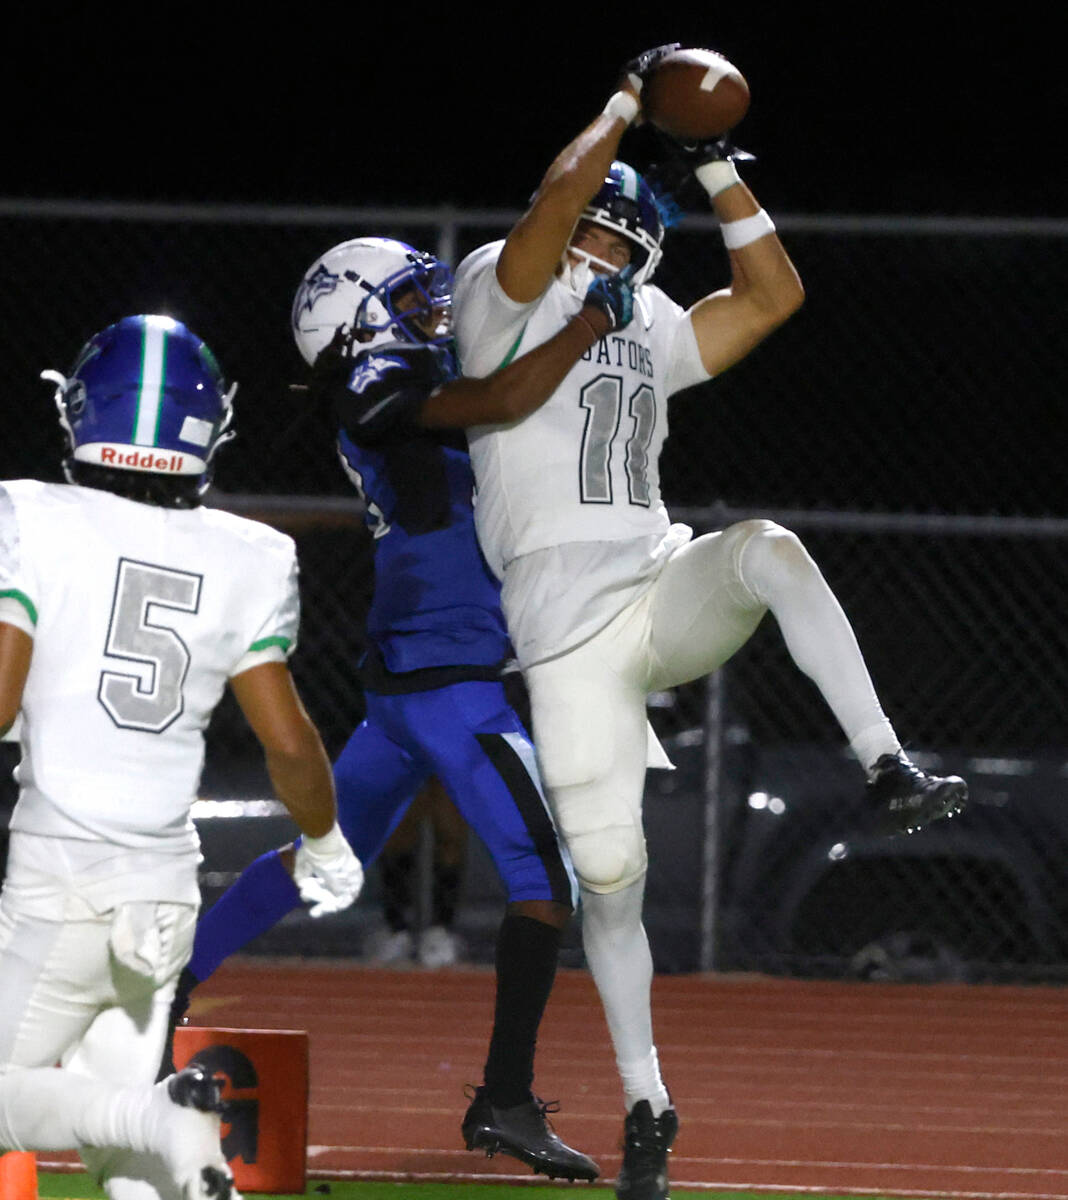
568	499
139	615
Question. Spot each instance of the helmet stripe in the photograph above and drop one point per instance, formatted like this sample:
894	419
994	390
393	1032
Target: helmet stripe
628	183
153	373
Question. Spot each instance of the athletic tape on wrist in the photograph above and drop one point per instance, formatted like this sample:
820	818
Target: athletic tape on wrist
331	841
717	176
622	105
740	233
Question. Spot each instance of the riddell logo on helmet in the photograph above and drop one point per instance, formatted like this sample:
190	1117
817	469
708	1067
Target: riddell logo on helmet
142	460
125	457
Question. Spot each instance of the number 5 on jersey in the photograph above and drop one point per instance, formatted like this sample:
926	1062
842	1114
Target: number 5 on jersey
150	698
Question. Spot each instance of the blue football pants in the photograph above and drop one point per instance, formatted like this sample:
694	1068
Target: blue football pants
469	736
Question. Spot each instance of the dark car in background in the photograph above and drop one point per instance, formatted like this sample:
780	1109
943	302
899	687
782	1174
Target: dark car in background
795	882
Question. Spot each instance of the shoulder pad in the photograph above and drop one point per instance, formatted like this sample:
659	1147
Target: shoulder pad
383	368
385	388
400	364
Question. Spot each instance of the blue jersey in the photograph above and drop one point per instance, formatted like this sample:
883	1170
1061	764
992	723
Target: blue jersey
436	604
437	703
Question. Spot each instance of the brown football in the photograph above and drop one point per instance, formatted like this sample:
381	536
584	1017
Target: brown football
694	93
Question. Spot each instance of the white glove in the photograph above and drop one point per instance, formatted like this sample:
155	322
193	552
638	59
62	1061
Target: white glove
327	873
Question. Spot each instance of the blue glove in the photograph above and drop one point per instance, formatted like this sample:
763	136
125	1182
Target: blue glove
614	296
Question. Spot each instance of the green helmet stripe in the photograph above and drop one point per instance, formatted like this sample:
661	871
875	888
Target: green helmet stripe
153	374
628	184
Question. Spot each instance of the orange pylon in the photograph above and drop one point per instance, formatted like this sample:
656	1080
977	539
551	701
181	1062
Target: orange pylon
18	1176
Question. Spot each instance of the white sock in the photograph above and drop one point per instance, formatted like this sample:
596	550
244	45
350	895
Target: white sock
642	1081
617	951
146	1145
44	1108
871	744
779	572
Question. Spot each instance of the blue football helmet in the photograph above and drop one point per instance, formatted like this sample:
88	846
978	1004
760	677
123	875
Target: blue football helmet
625	204
377	290
145	394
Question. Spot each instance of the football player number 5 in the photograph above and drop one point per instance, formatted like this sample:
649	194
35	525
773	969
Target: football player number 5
144	689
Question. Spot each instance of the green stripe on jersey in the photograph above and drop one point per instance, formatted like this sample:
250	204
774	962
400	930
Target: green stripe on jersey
153	374
263	643
515	346
23	599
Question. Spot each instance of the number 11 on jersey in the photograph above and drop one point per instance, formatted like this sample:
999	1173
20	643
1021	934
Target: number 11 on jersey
602	399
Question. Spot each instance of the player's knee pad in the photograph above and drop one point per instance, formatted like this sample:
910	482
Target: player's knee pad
608	858
769	557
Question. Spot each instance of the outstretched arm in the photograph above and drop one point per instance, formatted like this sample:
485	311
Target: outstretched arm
765	288
518	389
533	248
376	395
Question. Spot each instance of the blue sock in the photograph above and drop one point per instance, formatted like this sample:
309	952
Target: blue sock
257	901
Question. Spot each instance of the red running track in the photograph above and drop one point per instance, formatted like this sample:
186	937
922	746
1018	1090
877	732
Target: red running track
888	1089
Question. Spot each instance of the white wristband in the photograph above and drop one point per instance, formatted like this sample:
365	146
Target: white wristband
330	843
717	176
622	105
740	233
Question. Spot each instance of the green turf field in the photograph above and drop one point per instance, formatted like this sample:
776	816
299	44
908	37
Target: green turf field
78	1187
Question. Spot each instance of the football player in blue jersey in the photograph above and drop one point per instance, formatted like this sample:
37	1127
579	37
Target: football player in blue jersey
372	317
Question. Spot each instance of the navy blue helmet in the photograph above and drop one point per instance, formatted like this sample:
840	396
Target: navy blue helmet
145	394
625	204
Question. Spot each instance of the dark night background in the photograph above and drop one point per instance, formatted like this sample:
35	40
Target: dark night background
856	108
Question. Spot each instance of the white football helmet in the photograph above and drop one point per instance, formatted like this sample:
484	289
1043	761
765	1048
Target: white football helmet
378	290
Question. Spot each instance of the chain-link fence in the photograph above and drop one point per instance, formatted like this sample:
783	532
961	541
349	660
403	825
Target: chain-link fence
908	423
960	624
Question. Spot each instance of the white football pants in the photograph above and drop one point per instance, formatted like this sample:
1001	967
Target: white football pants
589	717
66	997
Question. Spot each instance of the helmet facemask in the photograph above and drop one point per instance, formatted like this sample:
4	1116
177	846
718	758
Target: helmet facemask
625	204
369	291
413	304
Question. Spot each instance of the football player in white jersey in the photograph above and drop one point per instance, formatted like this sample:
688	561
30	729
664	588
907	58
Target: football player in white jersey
606	600
125	610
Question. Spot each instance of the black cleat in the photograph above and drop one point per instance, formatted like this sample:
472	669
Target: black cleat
524	1132
647	1142
907	799
189	1140
193	1087
216	1184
